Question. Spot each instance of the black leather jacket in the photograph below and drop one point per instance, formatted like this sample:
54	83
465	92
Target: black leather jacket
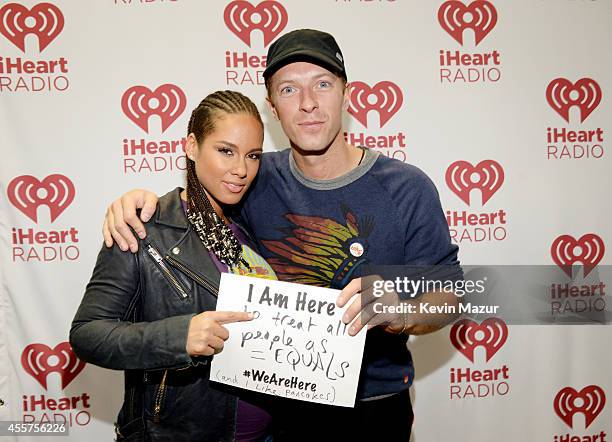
135	315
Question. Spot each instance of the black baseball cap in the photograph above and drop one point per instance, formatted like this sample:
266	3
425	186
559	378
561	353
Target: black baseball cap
308	45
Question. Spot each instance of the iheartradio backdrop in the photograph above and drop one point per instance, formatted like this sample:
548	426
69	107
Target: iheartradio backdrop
505	104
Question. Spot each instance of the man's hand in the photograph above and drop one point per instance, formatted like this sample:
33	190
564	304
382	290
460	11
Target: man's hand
401	316
121	215
207	335
362	312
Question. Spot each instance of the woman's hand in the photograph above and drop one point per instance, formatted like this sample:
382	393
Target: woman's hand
121	215
207	335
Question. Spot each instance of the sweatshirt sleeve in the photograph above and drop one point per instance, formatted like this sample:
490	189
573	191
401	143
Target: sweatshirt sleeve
427	240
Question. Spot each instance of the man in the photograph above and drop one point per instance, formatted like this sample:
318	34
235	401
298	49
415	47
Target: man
320	212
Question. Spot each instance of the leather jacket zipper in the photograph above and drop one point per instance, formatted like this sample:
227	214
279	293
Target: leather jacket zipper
203	282
131	402
164	268
159	398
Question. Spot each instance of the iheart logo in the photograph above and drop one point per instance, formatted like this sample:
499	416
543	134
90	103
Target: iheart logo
167	101
487	176
385	97
491	334
590	401
241	17
562	94
567	251
27	193
44	20
480	16
39	360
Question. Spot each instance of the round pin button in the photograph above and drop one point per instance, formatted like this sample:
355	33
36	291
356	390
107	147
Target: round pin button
356	249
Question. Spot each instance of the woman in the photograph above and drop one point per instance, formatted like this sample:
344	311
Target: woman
152	313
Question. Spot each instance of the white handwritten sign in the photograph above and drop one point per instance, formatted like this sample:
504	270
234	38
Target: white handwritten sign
296	347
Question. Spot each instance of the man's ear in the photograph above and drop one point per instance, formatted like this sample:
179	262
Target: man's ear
272	107
346	97
191	147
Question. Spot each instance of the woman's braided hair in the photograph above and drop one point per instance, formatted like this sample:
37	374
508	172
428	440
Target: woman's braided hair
216	236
